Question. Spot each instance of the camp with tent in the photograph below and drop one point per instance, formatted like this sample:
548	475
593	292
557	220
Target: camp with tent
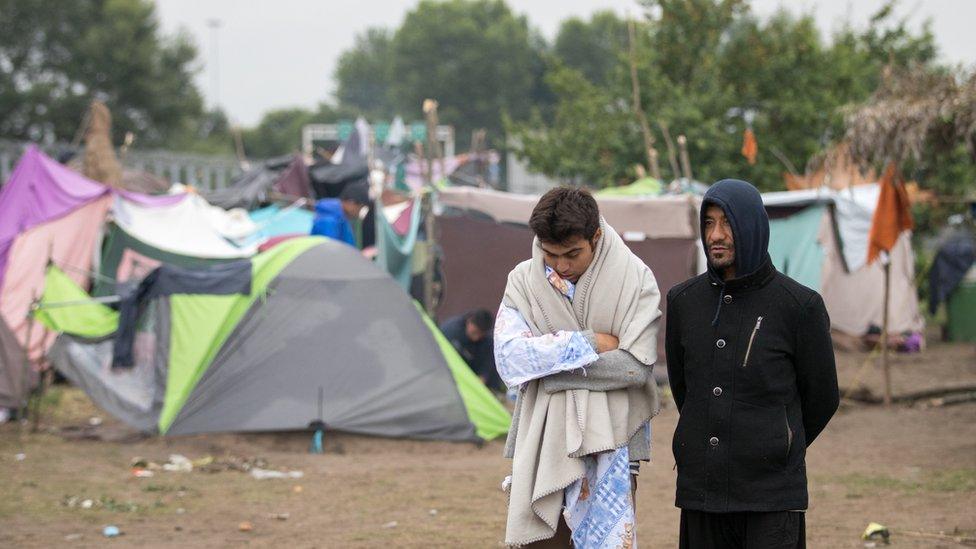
191	330
308	331
820	238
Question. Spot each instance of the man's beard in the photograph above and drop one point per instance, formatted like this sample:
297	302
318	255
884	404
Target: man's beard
721	264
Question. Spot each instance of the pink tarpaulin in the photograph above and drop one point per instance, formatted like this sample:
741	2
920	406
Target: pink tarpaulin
134	266
49	213
402	224
40	190
68	242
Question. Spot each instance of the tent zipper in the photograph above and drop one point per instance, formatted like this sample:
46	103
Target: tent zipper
752	338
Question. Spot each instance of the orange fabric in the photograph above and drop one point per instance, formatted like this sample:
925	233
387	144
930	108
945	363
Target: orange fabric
837	170
749	146
892	216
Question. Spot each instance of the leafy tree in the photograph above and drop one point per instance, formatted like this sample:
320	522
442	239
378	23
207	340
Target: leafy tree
364	75
280	131
592	139
474	56
53	64
708	69
592	47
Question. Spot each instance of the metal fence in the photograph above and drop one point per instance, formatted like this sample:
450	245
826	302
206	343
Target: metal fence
200	171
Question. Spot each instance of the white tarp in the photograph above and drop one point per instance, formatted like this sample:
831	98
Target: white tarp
854	207
190	227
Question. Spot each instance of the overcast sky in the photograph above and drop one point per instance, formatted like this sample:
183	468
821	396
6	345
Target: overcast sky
282	53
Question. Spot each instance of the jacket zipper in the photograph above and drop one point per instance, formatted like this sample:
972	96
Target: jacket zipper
752	338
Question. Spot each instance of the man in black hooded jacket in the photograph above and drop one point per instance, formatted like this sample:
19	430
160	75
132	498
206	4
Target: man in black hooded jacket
751	367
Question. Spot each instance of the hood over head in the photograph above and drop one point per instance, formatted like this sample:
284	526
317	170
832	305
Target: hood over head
743	206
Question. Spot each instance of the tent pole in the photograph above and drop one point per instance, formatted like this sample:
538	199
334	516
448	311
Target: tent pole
428	201
884	331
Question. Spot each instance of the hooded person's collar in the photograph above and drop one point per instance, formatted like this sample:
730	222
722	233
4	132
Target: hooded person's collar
743	207
755	279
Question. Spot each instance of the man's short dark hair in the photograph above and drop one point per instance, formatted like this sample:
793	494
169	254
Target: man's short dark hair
482	319
564	213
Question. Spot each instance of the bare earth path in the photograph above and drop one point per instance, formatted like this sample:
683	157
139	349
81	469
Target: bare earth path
911	469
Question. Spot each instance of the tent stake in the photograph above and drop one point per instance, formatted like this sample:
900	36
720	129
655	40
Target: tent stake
884	331
42	386
25	380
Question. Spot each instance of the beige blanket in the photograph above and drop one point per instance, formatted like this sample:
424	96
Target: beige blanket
616	295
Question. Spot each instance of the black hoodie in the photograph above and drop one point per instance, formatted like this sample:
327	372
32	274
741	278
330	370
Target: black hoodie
743	207
751	368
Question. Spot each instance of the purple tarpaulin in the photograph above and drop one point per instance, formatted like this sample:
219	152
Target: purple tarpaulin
150	200
40	190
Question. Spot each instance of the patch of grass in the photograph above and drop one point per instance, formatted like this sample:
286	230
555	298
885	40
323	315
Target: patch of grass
52	397
65	404
951	480
165	488
954	480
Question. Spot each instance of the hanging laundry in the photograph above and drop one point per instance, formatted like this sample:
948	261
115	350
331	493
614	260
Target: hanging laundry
892	216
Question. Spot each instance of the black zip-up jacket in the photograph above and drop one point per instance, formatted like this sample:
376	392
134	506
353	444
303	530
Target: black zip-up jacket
751	367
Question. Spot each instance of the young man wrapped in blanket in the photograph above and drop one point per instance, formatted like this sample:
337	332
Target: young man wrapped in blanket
576	334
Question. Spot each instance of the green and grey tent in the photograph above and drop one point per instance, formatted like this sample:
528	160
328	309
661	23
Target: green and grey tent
319	333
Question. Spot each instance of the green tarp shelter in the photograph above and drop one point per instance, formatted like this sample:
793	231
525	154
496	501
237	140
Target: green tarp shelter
323	330
794	247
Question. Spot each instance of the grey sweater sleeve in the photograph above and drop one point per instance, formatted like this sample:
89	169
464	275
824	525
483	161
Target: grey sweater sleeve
615	369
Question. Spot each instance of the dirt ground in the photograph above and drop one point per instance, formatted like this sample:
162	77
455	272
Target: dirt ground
912	469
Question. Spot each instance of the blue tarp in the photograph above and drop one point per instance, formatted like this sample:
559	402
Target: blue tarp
794	246
277	221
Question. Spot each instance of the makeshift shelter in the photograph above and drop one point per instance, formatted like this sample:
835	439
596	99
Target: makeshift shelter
820	238
187	233
285	177
49	214
485	233
328	179
318	333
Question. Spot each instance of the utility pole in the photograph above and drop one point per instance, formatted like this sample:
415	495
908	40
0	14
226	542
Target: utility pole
215	25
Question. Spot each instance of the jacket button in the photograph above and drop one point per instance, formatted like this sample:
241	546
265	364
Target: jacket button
727	299
717	391
713	441
720	344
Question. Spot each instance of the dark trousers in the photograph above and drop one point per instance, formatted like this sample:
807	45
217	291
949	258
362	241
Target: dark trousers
775	530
